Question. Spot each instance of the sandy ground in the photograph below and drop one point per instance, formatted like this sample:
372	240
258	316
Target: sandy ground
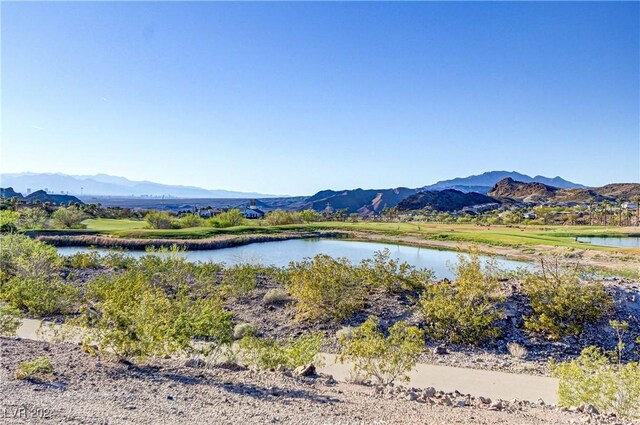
487	383
85	390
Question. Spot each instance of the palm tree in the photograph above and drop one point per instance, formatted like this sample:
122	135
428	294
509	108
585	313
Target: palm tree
636	200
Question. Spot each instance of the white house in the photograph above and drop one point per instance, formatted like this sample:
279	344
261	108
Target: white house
253	213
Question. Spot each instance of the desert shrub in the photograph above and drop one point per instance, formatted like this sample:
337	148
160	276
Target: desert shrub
9	220
384	359
190	220
22	256
118	260
594	379
40	295
231	218
517	350
243	329
467	309
84	260
310	216
275	295
269	353
159	220
562	304
170	270
32	218
129	316
68	218
345	332
40	368
382	271
9	320
325	288
281	217
239	280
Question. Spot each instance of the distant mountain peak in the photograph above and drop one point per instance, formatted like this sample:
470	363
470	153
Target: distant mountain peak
482	183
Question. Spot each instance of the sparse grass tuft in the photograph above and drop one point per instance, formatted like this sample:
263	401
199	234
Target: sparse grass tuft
39	368
275	295
516	350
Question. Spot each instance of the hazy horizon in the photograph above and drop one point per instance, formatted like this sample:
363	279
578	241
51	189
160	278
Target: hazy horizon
292	98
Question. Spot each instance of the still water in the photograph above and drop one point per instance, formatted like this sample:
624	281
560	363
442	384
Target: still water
627	242
282	252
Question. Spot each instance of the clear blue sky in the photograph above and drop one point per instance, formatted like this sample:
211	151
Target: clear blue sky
292	98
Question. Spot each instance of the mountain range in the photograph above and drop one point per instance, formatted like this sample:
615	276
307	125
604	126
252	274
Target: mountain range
106	185
484	182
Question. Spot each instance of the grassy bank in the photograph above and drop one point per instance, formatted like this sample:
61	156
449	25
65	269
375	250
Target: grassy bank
556	236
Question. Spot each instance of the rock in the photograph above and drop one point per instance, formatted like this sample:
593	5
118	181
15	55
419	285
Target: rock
446	401
195	363
411	396
429	392
440	349
130	407
484	400
306	370
497	405
330	381
281	368
461	403
591	409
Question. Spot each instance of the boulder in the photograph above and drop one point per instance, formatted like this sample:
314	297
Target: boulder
306	370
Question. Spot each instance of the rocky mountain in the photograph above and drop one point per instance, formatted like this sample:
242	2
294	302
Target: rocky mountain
538	192
39	195
483	183
10	193
443	200
362	201
105	185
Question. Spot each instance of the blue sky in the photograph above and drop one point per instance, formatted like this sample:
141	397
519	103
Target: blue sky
292	98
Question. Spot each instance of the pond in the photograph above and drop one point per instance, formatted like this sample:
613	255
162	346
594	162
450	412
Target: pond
623	242
282	252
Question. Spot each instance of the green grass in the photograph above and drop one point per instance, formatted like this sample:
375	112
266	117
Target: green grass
561	236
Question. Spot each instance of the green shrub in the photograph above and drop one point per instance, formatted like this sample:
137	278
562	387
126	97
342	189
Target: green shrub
9	320
239	280
68	218
280	217
594	379
562	305
190	220
325	288
32	218
39	368
467	309
382	271
84	260
310	216
22	256
130	316
269	353
9	220
159	220
40	295
231	218
383	358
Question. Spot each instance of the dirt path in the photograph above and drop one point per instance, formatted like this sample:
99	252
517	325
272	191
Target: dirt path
487	383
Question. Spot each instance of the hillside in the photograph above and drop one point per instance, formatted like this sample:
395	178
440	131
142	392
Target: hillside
361	201
444	200
538	192
483	183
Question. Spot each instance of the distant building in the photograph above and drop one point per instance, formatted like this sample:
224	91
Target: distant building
207	212
253	213
529	216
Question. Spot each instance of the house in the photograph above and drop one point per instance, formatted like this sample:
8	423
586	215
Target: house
529	216
207	212
253	213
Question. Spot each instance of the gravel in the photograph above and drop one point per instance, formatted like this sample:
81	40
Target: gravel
88	390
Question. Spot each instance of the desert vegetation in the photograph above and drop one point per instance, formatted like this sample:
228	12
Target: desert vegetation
386	314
